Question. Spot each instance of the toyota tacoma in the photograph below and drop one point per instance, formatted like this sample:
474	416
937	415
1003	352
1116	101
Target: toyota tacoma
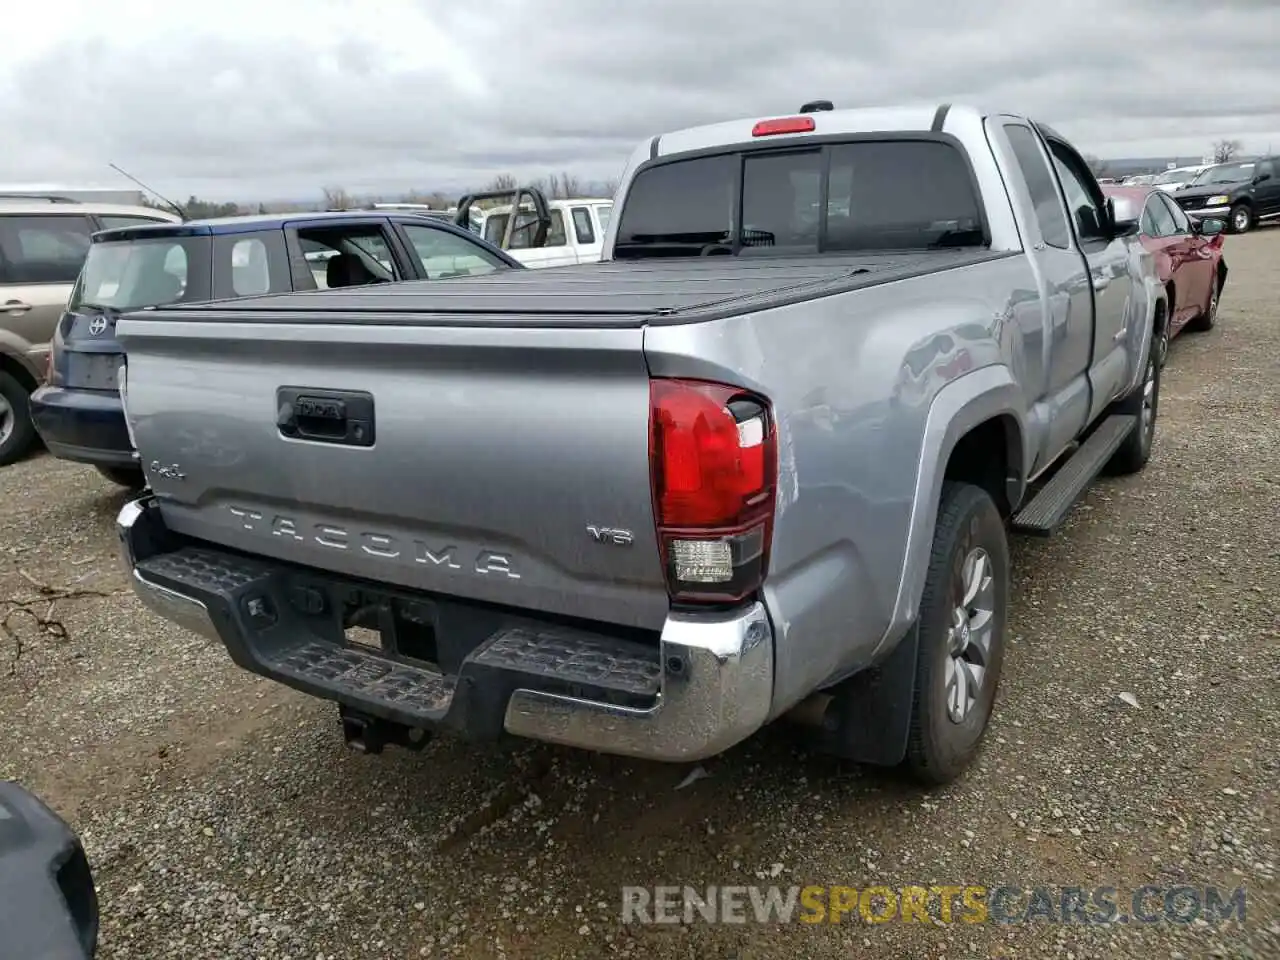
761	461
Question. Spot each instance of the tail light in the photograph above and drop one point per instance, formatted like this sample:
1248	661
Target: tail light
770	128
122	384
713	467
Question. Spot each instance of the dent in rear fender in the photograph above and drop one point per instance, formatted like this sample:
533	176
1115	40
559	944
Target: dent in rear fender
957	408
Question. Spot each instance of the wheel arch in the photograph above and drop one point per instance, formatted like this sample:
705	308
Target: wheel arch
19	371
982	411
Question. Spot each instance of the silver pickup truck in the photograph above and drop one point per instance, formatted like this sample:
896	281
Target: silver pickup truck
762	461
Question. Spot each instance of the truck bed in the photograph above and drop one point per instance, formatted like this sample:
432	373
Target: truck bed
628	293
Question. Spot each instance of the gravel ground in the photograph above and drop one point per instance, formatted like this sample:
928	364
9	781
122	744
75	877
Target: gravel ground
225	819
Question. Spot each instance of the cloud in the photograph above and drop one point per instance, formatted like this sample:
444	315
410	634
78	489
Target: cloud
247	100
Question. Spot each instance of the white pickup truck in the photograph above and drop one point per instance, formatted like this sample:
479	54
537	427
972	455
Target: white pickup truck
584	243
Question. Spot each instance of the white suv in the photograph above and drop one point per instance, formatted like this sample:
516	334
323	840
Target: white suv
43	243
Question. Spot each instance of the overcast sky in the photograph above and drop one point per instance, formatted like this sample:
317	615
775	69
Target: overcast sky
261	99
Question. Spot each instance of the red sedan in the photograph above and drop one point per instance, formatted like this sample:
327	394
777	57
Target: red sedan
1189	257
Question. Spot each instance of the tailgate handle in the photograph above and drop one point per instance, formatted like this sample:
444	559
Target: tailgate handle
344	417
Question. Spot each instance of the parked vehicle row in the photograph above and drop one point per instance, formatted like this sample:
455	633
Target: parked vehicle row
43	242
1188	254
584	243
78	412
1243	193
761	461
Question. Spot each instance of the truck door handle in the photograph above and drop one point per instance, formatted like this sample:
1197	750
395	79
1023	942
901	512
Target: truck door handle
16	307
1101	283
343	417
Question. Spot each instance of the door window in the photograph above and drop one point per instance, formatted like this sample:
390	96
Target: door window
1180	222
1039	180
495	225
1162	224
443	254
348	255
44	248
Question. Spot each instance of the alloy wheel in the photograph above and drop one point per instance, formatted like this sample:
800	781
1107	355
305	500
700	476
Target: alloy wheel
972	623
7	419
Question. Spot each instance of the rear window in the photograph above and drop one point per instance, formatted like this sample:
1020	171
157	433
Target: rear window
879	195
495	224
129	274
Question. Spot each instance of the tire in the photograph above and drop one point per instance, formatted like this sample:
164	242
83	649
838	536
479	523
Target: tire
1209	318
17	432
947	724
1240	220
129	477
1143	403
1161	345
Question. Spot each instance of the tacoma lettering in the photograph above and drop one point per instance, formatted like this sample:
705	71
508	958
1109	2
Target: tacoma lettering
381	545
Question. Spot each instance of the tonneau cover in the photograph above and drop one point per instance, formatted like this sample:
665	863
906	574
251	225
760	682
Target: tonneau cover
620	293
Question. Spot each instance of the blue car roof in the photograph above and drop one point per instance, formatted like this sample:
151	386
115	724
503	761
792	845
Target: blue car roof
221	226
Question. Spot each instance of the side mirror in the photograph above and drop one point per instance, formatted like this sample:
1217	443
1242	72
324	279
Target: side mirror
1119	227
1262	176
1209	226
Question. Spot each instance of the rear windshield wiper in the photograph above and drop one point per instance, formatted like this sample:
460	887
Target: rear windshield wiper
101	308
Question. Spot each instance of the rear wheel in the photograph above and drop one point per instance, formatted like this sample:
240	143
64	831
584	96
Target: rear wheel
1241	218
961	635
130	477
1144	404
1209	318
1161	345
17	432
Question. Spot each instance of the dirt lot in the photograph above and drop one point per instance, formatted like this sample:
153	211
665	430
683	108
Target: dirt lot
225	819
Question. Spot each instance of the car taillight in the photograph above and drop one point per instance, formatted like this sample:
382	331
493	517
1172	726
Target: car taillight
713	467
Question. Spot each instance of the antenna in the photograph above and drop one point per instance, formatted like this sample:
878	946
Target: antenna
155	193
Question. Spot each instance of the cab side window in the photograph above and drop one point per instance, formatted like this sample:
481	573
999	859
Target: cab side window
582	226
1039	180
1085	213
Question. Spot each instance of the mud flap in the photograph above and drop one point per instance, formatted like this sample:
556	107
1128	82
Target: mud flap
869	717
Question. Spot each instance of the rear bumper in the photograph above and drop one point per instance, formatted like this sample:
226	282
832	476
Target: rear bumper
705	684
82	425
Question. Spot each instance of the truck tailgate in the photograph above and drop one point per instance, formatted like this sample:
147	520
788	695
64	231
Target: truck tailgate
484	453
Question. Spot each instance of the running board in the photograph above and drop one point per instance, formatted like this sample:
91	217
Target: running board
1041	516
